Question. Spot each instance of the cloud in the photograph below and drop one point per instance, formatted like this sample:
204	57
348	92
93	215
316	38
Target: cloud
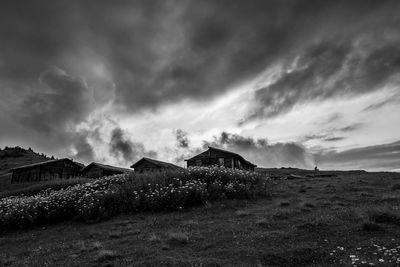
84	150
326	69
137	56
334	139
313	137
352	127
377	157
46	113
182	139
324	137
129	151
332	118
262	153
158	52
391	100
331	134
59	101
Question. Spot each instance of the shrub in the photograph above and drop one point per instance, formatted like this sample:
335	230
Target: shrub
108	196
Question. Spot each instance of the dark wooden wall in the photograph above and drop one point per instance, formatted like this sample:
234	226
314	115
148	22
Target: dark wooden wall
46	172
211	158
96	172
93	172
146	166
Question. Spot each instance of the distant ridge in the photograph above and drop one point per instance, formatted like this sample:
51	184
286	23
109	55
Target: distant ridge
12	157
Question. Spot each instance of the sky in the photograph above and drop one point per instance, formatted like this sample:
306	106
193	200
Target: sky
285	83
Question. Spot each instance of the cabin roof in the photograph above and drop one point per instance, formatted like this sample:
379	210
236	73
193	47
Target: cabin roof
158	163
227	152
106	167
33	165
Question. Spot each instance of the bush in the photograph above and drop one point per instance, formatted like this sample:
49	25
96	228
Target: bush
108	196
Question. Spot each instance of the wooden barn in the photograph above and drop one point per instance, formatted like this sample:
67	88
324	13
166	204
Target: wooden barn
96	170
152	165
46	170
219	157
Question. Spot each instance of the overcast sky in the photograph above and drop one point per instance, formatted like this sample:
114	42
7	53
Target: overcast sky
285	83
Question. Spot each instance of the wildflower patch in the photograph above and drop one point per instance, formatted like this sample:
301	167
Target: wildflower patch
117	194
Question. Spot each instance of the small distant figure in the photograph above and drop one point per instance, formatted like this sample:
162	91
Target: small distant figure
316	169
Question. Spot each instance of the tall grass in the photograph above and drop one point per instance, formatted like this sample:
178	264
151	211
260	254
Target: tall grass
117	194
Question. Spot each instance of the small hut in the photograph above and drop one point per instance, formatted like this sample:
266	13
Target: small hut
96	170
219	157
46	170
152	165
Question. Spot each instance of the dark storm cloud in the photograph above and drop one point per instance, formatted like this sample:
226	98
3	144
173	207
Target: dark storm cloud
182	139
378	157
84	151
146	53
33	35
317	64
262	153
329	69
163	51
130	151
225	42
46	112
58	101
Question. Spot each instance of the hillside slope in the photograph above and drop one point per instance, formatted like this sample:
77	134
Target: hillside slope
346	220
12	157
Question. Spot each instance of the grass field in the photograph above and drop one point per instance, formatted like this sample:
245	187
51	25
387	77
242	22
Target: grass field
344	220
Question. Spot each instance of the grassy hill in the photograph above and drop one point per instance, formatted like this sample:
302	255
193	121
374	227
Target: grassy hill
350	219
12	157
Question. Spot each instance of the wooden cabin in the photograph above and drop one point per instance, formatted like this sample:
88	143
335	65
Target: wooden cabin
219	157
96	170
152	165
46	170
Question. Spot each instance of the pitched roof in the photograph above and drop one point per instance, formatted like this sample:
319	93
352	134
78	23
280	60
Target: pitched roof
106	167
47	162
158	163
227	152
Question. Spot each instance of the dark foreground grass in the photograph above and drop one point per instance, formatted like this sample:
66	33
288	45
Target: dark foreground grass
324	226
29	189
